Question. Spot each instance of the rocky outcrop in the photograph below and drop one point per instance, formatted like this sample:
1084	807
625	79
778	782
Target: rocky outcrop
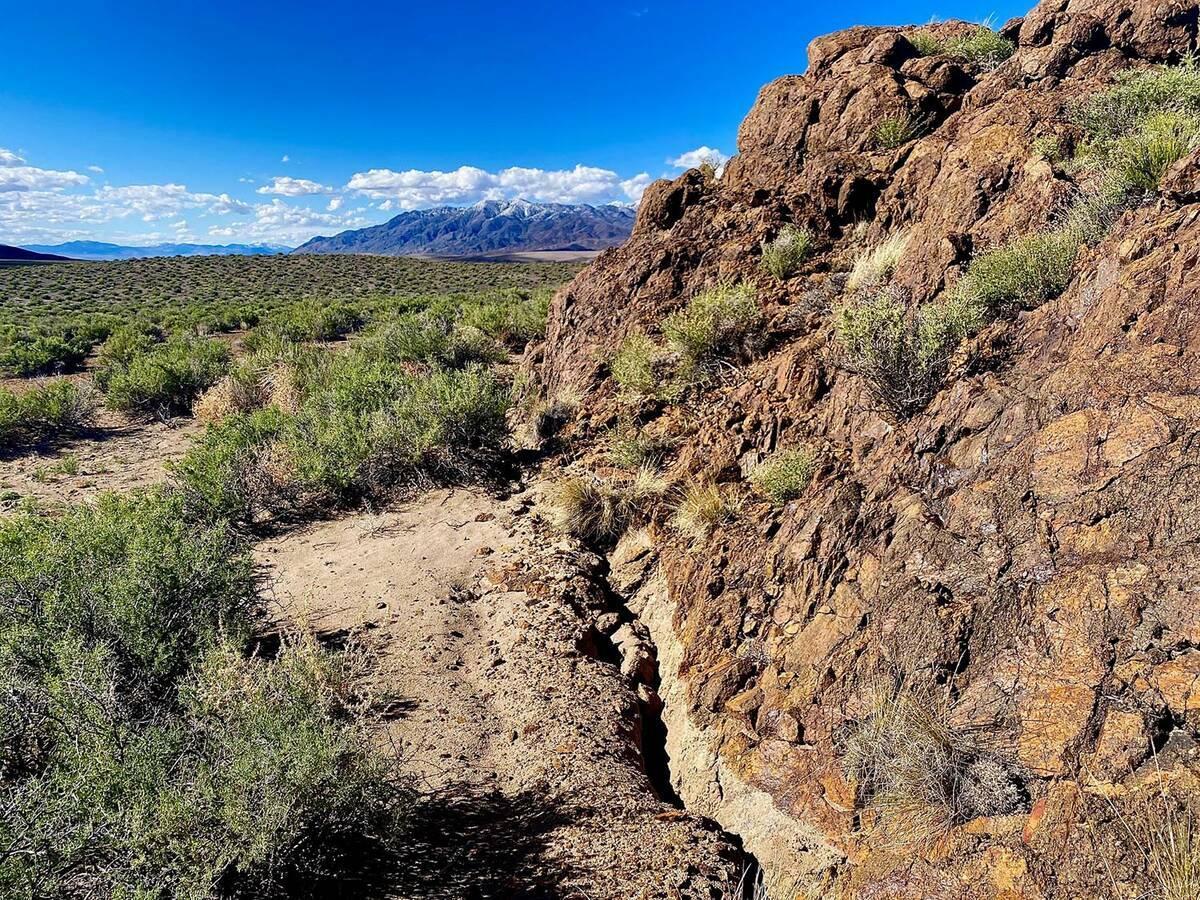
1025	551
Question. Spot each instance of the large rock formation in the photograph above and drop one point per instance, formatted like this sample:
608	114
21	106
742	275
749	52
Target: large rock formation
1025	551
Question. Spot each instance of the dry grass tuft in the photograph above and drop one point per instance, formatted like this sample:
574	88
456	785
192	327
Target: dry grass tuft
703	507
874	268
920	777
598	511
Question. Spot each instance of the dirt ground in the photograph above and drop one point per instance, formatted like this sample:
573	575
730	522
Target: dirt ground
504	703
114	454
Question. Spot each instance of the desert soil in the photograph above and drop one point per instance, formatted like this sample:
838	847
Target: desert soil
114	454
504	707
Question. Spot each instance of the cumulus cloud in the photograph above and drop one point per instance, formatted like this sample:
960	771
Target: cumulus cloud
17	177
694	158
285	158
282	222
8	158
335	203
285	186
414	188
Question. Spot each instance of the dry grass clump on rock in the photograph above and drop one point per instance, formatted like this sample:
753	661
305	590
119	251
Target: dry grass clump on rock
875	267
982	46
920	777
703	507
599	511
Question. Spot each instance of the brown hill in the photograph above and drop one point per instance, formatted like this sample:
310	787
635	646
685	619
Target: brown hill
963	662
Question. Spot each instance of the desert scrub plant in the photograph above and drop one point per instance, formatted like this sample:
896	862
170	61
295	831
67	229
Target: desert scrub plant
925	42
784	255
983	47
632	448
784	475
902	352
635	365
874	268
1141	158
43	411
896	131
513	317
1047	147
1038	266
721	323
167	378
599	511
703	507
1138	94
919	777
223	476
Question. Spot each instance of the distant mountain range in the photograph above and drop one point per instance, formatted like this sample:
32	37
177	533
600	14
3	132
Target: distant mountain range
98	250
20	254
487	228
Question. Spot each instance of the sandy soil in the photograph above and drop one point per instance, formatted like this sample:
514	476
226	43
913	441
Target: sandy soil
505	701
115	454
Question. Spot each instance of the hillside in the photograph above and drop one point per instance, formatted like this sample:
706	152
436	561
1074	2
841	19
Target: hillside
20	254
98	250
925	620
487	228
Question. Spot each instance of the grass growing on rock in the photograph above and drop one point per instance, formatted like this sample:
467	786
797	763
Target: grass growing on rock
723	322
784	475
783	256
896	131
1137	129
918	777
703	507
873	268
599	511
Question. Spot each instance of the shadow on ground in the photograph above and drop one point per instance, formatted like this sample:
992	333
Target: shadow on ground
473	845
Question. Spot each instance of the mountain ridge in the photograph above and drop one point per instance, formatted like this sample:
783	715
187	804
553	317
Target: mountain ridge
486	228
101	250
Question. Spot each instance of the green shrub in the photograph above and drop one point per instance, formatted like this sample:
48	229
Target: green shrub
42	411
514	317
1022	274
121	348
314	320
1142	158
783	475
784	255
634	365
720	323
167	378
896	131
925	42
1048	147
222	476
903	353
982	47
1138	94
433	339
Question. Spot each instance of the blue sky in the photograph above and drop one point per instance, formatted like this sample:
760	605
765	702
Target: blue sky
217	122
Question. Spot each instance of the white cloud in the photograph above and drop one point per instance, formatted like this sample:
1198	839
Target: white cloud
30	178
285	186
245	180
8	158
96	169
282	222
694	158
285	158
335	203
636	186
413	189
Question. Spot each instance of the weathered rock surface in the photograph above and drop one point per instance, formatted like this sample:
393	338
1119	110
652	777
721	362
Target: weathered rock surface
1027	548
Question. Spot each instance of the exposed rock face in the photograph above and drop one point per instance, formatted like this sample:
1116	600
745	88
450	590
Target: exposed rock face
1027	548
